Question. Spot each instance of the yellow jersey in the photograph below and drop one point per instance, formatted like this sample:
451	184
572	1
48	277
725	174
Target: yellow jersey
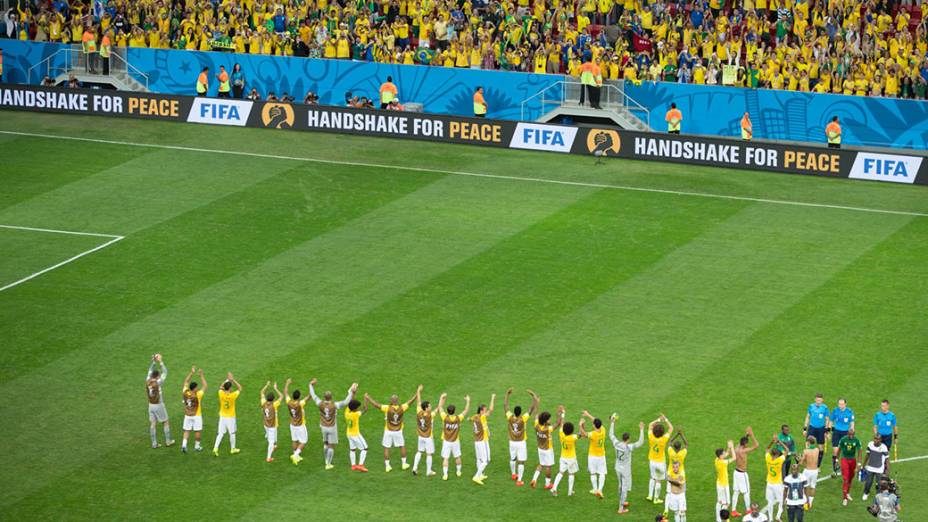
393	416
775	469
269	412
568	445
656	447
721	472
227	403
677	456
598	442
353	421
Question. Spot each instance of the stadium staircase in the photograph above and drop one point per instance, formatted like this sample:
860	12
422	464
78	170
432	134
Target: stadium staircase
560	102
65	63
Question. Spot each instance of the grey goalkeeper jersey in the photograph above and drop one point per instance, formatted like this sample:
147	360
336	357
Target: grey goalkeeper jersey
623	451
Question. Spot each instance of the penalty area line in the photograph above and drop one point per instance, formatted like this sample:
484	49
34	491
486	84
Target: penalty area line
472	174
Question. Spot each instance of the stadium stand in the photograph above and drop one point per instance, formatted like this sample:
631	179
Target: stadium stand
870	48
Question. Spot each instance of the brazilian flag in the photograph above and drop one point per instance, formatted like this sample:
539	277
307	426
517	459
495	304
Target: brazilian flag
424	56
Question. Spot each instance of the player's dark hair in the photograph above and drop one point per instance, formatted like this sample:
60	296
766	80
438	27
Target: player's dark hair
626	436
481	408
193	385
568	428
597	423
517	411
719	452
227	386
451	409
811	440
296	394
544	417
744	440
725	514
424	405
884	401
677	445
658	430
775	452
155	374
354	404
270	397
784	427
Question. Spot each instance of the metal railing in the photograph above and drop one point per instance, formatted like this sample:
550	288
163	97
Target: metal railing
75	60
567	93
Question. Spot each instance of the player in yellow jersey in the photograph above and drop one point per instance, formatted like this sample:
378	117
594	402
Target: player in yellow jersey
393	426
451	433
658	436
516	426
676	493
544	434
568	463
774	459
676	452
596	460
482	439
722	494
425	417
296	406
227	399
193	406
353	431
269	405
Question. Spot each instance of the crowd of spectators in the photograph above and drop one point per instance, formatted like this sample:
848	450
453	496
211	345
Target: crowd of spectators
859	47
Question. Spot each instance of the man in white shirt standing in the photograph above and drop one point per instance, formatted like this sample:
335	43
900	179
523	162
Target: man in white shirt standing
874	463
795	494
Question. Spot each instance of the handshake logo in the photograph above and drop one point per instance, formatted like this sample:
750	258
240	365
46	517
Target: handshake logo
602	142
277	116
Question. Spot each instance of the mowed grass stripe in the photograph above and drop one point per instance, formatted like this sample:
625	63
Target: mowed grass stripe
61	162
282	304
174	259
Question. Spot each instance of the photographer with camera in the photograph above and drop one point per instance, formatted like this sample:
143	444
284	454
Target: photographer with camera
886	503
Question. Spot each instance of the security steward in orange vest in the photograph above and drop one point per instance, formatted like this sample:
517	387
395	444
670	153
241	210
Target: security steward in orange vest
203	82
747	128
833	133
674	117
388	92
225	87
106	48
480	105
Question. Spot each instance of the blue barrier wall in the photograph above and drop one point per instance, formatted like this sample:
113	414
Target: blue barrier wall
779	115
785	115
441	90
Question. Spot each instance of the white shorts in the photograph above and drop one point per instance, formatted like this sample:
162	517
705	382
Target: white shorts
676	501
427	445
329	434
482	450
518	451
774	493
722	496
298	434
546	457
658	470
270	434
811	476
451	449
193	423
157	412
569	465
357	442
742	483
226	425
596	465
393	439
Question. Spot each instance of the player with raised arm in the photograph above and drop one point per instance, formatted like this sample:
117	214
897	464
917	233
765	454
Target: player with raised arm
516	425
298	436
774	458
723	457
393	426
623	460
270	402
676	494
809	461
544	435
741	480
227	423
328	419
568	462
425	417
482	439
157	412
451	433
658	437
353	431
677	449
193	409
596	459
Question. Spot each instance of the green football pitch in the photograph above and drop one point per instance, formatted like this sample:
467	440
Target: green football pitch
720	298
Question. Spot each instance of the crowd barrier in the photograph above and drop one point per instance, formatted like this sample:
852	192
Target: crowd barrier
601	142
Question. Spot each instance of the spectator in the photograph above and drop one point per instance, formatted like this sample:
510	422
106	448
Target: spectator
286	98
253	95
271	97
238	81
311	98
48	82
73	83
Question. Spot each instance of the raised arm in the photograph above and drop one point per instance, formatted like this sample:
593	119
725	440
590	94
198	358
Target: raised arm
441	404
277	391
287	388
193	370
640	442
612	437
164	371
686	443
754	444
490	407
582	425
535	402
312	392
731	451
413	398
202	380
351	391
373	403
586	415
560	417
466	406
238	387
669	424
506	400
264	390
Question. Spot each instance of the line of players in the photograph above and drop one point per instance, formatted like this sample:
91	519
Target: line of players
785	485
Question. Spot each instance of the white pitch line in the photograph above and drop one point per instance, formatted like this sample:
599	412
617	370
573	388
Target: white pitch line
474	174
66	261
907	459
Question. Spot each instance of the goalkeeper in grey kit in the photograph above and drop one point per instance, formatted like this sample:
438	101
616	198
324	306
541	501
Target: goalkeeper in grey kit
623	460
